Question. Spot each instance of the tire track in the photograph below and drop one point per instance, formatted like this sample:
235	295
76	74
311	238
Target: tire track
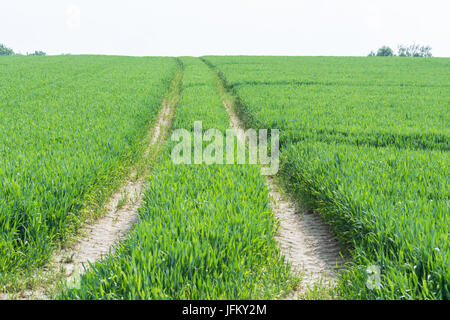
98	238
305	241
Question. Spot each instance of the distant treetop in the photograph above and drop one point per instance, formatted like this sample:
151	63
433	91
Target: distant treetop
385	51
4	51
37	53
413	50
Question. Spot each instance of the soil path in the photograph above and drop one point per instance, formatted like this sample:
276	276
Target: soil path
98	239
121	213
304	239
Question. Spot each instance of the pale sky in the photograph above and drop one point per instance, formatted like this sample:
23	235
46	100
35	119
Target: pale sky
201	27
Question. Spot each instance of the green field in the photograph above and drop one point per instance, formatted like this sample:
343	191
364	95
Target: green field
364	142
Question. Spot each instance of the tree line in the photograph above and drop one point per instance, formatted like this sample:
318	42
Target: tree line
5	51
413	50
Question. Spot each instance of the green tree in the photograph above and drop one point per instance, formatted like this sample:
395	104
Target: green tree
37	53
385	51
414	50
4	51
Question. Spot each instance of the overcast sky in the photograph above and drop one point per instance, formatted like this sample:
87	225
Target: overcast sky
201	27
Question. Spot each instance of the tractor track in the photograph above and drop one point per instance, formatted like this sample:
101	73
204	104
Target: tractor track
305	241
97	240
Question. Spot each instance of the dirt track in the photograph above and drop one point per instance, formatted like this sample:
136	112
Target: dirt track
119	219
304	239
97	239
